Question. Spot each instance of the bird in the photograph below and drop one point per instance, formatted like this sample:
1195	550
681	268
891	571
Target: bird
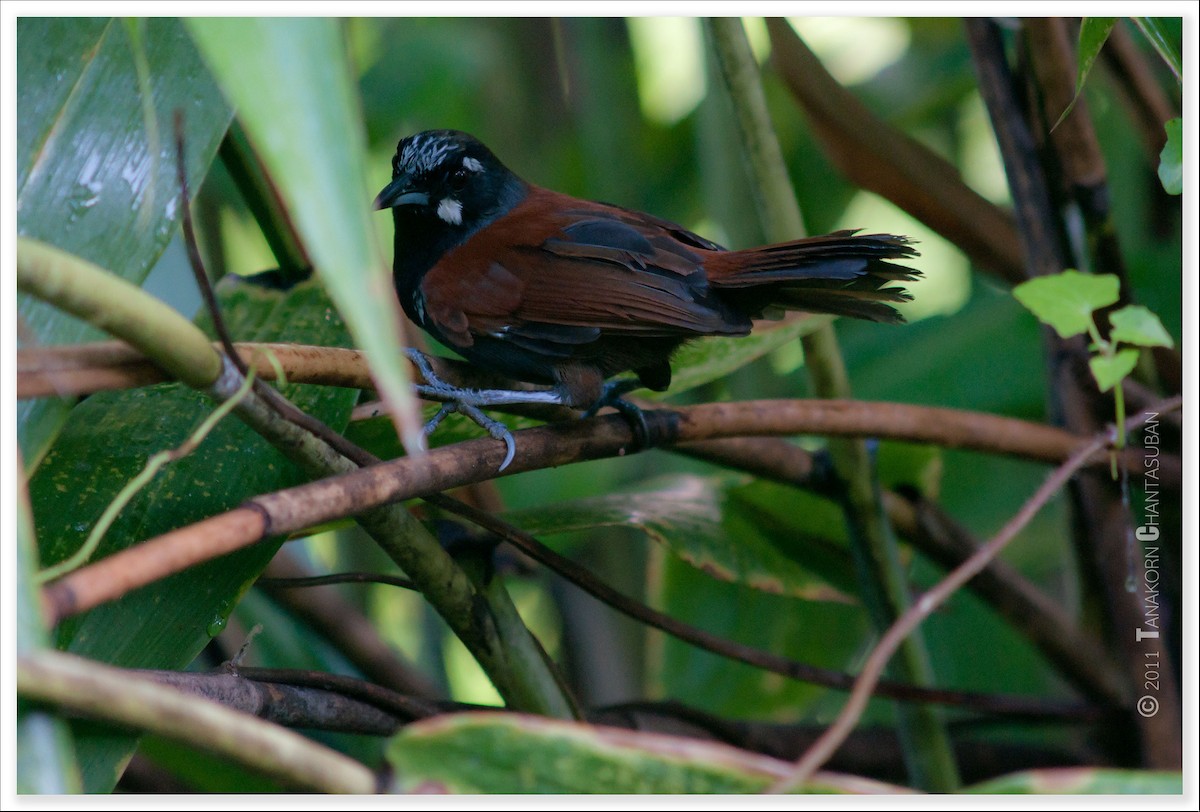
557	291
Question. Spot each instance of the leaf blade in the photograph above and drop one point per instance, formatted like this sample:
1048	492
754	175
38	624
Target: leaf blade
1137	324
83	151
1170	160
1066	301
1109	371
290	82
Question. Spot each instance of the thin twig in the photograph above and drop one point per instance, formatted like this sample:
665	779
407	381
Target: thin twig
864	686
335	578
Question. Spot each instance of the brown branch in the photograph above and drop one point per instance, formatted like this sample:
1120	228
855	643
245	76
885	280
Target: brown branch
472	461
70	370
873	668
880	158
314	700
1101	520
950	428
81	369
309	707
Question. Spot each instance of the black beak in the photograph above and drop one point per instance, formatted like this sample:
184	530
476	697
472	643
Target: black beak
400	192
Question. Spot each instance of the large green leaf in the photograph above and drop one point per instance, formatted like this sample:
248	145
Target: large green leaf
290	81
95	167
1083	781
107	440
507	753
698	519
822	633
1157	31
45	755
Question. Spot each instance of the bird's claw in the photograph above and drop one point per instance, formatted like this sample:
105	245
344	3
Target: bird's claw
493	427
611	396
459	400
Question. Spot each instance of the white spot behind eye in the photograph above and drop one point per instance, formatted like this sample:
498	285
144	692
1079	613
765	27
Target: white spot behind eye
472	164
450	210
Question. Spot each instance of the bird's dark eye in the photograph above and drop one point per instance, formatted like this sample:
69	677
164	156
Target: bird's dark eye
458	179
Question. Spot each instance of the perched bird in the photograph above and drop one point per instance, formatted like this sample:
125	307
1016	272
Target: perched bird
551	289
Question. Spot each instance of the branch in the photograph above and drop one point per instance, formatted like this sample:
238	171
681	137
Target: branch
353	492
502	648
877	156
1101	520
123	366
315	700
117	307
115	695
824	747
81	369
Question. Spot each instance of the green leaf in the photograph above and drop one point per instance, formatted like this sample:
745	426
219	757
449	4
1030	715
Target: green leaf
710	359
45	752
1066	301
92	178
1170	160
1093	33
1156	32
1111	370
1135	324
1083	781
696	519
108	438
290	81
509	753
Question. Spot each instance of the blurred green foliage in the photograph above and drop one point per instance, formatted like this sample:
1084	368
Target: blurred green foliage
599	108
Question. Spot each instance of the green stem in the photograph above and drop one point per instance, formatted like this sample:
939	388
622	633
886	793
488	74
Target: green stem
45	749
1109	350
928	750
120	308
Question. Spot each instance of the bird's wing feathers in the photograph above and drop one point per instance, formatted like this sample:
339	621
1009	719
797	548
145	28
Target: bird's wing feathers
595	270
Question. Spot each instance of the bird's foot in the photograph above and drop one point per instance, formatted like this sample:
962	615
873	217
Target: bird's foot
634	416
470	403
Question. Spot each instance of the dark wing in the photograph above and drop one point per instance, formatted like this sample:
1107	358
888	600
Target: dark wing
582	270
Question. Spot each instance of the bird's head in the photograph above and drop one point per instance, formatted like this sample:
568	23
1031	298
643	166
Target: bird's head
449	180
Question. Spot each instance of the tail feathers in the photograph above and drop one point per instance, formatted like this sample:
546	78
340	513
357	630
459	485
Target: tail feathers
839	273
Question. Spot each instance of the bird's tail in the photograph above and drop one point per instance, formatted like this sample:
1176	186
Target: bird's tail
841	273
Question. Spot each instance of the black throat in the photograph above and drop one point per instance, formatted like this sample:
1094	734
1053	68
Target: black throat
422	239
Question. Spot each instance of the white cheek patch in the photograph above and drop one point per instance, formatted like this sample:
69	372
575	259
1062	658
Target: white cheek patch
472	164
450	210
